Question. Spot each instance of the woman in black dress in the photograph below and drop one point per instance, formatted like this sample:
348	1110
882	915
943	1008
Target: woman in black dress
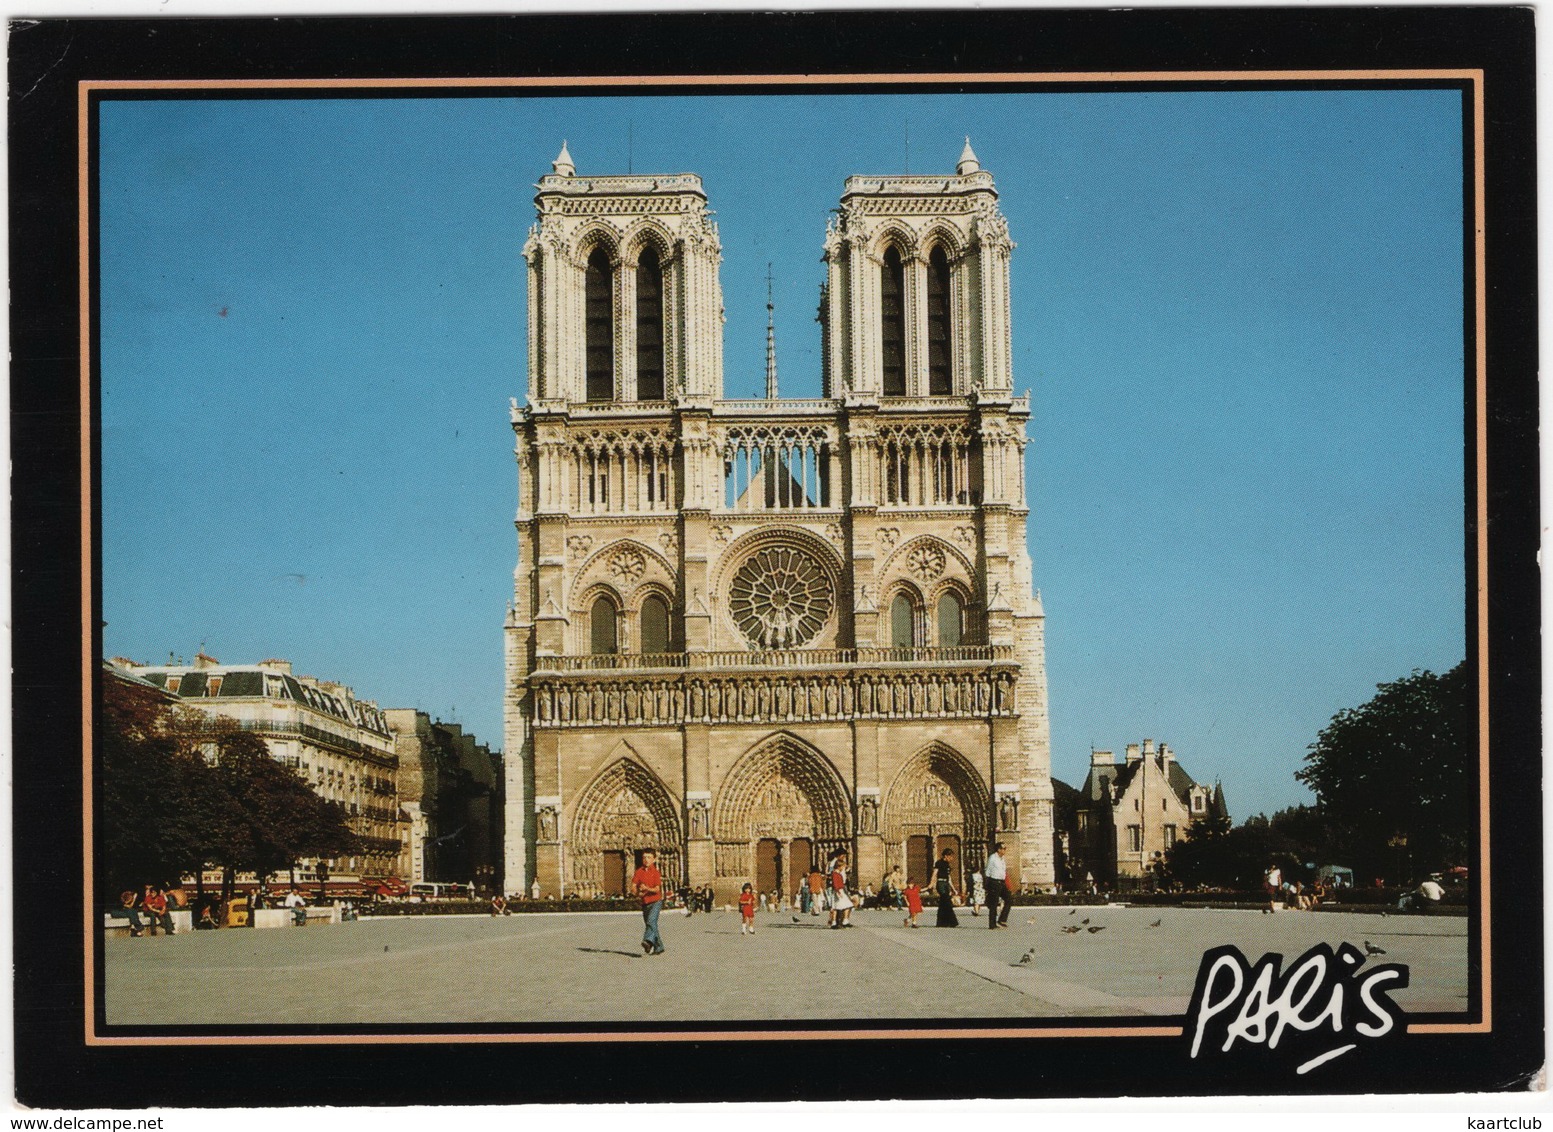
943	878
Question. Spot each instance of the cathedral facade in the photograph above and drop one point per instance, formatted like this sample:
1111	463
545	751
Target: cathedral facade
748	633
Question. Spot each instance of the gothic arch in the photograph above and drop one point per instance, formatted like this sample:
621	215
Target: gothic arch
903	238
937	792
906	563
601	568
944	236
781	788
625	808
639	236
598	235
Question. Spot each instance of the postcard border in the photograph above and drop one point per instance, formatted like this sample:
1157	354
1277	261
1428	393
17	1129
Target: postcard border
1474	80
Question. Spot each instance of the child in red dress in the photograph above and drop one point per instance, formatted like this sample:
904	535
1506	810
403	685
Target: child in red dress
913	894
747	910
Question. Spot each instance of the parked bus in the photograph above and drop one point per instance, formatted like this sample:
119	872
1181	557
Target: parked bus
432	891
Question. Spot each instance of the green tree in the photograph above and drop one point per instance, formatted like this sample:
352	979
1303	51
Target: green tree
1395	776
149	826
1202	855
274	817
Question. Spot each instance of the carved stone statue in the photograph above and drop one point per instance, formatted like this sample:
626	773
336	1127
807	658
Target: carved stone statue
547	823
868	816
698	820
1008	812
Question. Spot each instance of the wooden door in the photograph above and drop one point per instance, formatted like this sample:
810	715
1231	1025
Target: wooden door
768	865
919	859
614	872
800	859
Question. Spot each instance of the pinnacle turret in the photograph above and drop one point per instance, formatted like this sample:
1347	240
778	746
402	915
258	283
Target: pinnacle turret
562	166
968	163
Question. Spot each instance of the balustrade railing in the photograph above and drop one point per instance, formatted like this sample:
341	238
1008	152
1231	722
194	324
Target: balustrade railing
778	406
319	738
776	658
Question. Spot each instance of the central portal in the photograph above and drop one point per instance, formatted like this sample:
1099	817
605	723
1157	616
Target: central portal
782	806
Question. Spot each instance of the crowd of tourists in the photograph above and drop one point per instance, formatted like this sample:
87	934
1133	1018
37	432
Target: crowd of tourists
832	893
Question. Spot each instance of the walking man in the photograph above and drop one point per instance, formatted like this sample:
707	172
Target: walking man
647	883
995	876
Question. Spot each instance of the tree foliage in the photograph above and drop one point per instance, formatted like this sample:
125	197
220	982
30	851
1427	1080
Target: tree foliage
1395	776
180	790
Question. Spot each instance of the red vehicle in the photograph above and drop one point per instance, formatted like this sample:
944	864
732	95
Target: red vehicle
391	888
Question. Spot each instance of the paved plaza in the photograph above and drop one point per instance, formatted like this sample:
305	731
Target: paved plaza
588	968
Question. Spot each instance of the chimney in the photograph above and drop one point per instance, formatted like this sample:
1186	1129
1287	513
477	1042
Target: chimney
1166	755
1148	746
1101	758
275	665
1132	753
203	661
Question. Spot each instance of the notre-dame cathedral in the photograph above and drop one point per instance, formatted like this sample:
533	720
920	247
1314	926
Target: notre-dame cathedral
750	632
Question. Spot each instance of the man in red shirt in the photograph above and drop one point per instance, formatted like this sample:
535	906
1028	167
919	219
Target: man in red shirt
647	882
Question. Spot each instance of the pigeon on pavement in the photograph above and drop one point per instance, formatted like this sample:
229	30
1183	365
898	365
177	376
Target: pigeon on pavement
1025	959
1371	949
1157	922
1085	920
1070	930
1097	928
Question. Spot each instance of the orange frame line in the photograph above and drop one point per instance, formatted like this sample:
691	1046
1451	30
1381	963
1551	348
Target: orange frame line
85	88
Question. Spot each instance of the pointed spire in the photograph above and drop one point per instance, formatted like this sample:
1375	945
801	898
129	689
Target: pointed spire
562	165
968	163
771	374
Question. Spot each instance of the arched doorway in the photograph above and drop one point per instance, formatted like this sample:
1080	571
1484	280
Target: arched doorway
624	810
936	802
781	808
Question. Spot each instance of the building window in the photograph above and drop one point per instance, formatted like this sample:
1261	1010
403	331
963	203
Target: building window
1135	839
938	374
214	687
951	620
600	328
1170	836
173	682
655	624
903	617
601	628
1198	804
892	293
1083	821
649	327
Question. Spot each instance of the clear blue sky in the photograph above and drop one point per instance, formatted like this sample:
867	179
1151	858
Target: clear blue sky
1239	315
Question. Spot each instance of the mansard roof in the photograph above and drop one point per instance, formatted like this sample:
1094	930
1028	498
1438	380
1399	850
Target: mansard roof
248	682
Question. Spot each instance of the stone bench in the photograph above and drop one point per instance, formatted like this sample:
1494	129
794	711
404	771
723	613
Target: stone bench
117	924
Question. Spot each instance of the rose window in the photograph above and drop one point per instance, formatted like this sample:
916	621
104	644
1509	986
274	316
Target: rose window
926	561
780	598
